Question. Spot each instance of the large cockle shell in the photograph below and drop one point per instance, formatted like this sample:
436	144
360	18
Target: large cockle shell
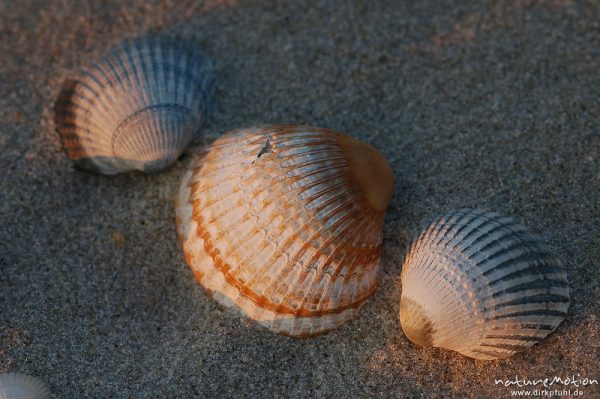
137	108
285	223
22	386
481	284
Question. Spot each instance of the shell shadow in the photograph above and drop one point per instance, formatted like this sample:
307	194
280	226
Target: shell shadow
63	112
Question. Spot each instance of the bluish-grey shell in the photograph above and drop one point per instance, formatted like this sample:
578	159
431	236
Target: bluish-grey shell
137	108
22	386
481	284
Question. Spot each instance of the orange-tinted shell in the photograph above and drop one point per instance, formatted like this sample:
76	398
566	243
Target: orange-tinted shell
285	223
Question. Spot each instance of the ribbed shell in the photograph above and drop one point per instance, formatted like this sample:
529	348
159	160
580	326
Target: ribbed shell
21	386
285	223
137	108
481	284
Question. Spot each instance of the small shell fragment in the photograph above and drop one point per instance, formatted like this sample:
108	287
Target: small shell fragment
21	386
481	284
285	224
137	108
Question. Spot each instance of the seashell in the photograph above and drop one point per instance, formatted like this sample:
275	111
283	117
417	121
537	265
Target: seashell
21	386
285	224
137	108
481	284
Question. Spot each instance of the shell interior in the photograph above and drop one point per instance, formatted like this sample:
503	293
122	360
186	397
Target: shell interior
481	284
137	108
275	221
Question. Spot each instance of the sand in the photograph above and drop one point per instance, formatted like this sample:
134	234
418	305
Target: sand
490	104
